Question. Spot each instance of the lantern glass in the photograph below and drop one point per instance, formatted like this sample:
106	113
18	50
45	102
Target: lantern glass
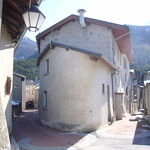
26	19
41	20
33	19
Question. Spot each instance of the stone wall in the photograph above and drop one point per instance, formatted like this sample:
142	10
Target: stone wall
94	38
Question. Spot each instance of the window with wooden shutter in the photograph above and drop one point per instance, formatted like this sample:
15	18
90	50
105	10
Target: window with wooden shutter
8	86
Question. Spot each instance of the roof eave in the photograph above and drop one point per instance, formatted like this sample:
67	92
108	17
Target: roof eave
97	55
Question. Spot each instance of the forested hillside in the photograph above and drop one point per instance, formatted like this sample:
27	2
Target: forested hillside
25	59
141	49
26	67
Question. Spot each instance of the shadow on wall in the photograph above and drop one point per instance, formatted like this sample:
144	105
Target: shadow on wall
142	134
8	110
6	46
8	114
4	136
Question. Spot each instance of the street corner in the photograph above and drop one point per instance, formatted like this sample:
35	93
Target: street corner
86	141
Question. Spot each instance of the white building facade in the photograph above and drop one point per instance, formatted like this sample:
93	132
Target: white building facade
83	73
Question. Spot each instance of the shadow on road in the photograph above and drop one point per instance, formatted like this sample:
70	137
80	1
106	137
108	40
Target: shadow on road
142	134
27	125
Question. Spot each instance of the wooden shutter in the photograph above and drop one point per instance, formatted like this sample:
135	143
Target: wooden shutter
8	85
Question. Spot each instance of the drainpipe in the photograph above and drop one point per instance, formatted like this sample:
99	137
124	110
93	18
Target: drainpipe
81	17
113	95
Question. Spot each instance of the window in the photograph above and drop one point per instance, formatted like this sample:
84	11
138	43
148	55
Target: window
125	63
125	77
103	88
45	99
47	65
126	90
8	86
120	59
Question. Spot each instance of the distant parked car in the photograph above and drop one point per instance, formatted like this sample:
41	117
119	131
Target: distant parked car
16	107
29	105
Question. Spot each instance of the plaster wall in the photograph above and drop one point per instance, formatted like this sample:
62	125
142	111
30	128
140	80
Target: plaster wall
6	70
94	38
36	98
75	101
122	76
4	136
120	80
32	94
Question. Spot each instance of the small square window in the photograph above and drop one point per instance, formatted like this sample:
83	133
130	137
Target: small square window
47	65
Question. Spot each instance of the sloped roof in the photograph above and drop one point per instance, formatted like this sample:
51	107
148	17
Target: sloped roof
19	75
121	32
96	55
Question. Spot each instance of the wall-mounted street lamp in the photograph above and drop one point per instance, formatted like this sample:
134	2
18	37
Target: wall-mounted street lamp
33	18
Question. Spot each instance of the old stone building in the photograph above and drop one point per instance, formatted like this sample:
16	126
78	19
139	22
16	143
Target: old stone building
84	69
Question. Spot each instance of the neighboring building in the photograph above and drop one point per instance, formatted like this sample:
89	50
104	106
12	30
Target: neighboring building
36	102
12	29
134	94
84	69
18	92
32	92
146	99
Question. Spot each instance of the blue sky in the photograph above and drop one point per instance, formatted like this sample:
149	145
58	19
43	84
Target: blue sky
134	12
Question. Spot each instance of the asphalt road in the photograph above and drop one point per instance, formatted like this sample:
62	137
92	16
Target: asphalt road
121	135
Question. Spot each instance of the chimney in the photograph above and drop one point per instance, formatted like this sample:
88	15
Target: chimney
81	17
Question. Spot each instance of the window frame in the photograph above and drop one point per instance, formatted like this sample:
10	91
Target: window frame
44	99
47	65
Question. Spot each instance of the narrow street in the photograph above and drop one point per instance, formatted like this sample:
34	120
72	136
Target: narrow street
123	134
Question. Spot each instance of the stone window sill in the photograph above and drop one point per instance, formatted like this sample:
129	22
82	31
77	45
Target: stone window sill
45	74
44	108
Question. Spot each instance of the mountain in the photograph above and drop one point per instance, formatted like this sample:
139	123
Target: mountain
26	48
25	59
141	44
141	50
